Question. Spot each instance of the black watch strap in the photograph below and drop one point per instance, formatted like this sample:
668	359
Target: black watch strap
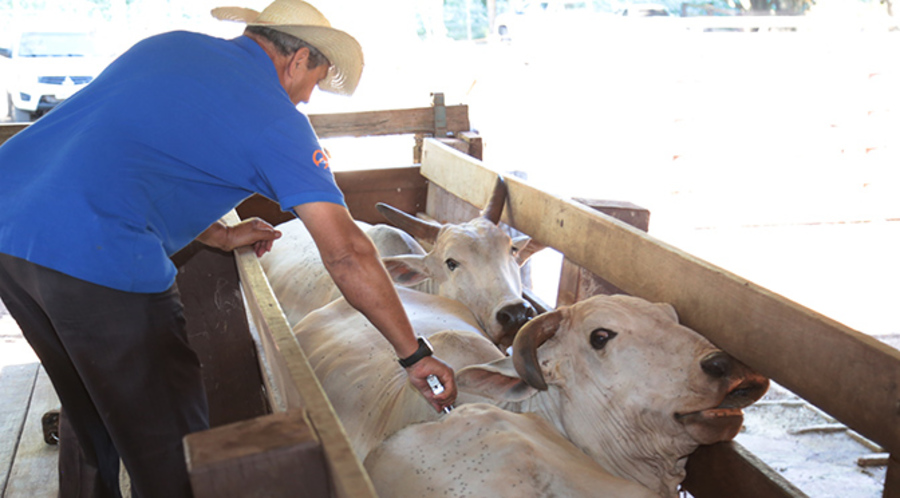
423	351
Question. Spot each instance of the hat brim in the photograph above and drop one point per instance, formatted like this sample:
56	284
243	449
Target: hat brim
341	49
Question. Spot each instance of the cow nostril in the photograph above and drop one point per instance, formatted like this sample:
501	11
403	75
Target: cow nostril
717	364
514	316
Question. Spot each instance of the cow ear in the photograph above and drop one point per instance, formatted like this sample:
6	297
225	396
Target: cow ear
525	248
407	270
496	381
669	310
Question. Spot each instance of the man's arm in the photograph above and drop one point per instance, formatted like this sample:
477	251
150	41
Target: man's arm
355	267
253	231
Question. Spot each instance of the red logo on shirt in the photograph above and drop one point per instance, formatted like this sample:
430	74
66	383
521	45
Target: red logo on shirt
320	158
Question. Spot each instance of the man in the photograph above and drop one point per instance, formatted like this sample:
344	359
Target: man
96	195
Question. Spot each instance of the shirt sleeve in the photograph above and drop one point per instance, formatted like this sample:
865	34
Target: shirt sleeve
294	166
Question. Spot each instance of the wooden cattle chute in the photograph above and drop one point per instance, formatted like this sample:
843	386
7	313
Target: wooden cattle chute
847	374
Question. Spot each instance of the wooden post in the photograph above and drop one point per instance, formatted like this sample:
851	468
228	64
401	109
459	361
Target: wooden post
218	330
892	479
275	456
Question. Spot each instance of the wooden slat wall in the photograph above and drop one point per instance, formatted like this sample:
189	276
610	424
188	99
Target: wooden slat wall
217	329
293	378
7	130
853	377
403	188
722	469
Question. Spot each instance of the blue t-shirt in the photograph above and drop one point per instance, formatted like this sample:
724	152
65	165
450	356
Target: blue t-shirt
170	137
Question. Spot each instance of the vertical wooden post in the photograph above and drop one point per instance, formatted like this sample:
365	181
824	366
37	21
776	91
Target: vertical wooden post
218	330
892	479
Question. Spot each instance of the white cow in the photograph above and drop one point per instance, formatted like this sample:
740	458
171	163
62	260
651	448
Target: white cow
297	275
475	263
616	376
484	450
359	371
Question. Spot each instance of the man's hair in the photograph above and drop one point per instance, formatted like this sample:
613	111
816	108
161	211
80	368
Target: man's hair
288	45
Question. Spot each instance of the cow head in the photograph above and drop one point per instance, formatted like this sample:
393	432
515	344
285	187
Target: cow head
475	263
626	383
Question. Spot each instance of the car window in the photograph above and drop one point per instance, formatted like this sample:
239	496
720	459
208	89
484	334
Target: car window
57	45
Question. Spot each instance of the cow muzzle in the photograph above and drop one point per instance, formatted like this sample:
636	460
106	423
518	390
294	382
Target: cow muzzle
511	318
743	387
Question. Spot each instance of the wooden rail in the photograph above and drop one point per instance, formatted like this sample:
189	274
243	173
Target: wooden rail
294	382
849	375
395	122
420	120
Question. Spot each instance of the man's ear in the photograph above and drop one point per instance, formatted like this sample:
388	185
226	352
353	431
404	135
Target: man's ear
299	57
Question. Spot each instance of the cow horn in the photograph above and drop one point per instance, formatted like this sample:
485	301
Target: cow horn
420	229
525	346
494	208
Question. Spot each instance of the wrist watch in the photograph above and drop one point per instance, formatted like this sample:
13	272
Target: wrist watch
424	350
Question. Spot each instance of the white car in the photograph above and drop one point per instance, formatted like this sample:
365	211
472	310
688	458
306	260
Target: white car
43	68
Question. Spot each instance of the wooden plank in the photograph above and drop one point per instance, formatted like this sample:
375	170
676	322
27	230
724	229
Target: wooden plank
16	385
298	381
7	130
856	378
393	122
34	473
403	188
729	469
357	124
276	455
218	332
892	479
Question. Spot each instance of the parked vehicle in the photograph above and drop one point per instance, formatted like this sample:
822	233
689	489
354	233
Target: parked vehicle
42	68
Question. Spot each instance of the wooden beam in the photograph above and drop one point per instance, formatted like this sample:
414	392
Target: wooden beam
577	283
293	376
728	469
393	122
7	130
276	455
853	377
357	124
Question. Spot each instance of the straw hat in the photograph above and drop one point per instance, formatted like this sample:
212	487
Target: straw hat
300	19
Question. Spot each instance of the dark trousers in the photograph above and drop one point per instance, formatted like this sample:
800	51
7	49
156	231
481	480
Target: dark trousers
127	380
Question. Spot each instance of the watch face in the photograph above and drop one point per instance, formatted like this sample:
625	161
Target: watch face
424	342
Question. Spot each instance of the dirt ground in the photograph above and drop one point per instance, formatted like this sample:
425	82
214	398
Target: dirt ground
773	155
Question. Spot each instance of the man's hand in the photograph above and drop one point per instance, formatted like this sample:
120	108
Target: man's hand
250	232
433	366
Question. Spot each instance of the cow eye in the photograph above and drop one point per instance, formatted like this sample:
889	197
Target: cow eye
452	264
600	337
514	250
